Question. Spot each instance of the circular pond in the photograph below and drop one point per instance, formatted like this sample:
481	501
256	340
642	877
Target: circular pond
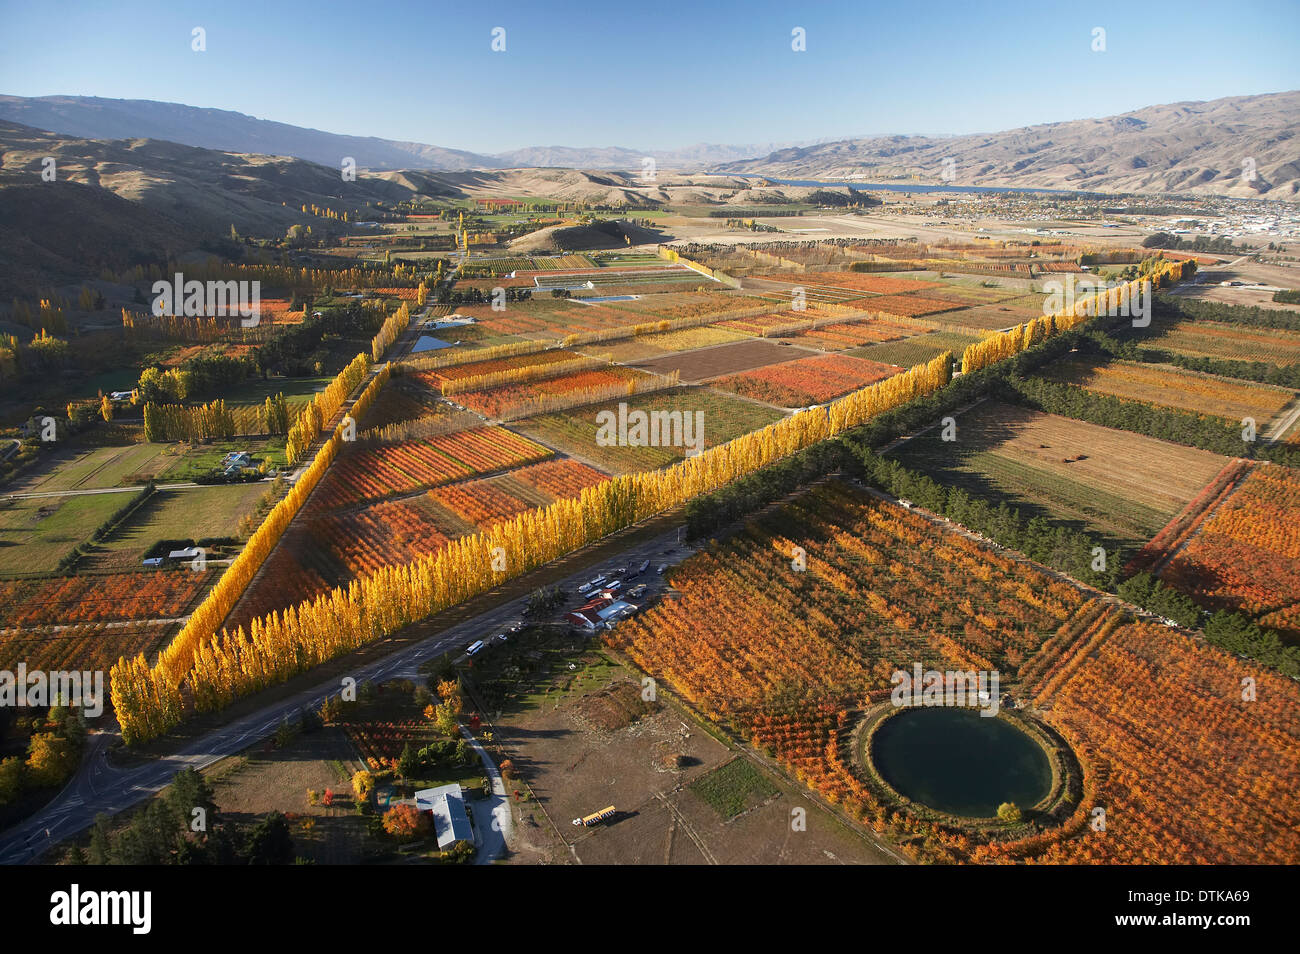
956	761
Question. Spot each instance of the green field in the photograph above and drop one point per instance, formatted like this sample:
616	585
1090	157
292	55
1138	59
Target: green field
574	432
199	459
972	293
623	259
36	533
733	788
99	467
996	316
193	513
257	390
913	351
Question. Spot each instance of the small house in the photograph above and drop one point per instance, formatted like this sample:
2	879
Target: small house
450	821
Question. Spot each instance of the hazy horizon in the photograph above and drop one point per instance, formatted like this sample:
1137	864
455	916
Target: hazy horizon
593	76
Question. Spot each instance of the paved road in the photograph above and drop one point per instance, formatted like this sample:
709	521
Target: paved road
134	489
289	477
495	835
101	787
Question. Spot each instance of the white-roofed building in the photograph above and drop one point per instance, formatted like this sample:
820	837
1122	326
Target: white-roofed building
450	821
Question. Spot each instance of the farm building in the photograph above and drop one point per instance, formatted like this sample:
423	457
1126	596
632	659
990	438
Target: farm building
593	612
450	822
614	609
599	612
235	461
583	617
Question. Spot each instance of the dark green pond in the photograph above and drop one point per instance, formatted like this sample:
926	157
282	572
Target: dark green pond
960	762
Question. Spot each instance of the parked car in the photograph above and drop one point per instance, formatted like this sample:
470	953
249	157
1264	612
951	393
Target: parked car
662	567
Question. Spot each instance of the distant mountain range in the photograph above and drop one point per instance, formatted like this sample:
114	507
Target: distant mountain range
89	117
1194	147
1239	146
121	202
118	203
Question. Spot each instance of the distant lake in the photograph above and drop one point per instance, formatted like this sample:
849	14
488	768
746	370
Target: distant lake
957	761
913	187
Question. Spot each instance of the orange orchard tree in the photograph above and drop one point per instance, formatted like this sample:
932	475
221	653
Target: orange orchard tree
223	667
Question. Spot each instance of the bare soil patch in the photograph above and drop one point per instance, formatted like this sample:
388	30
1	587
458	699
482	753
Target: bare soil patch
724	359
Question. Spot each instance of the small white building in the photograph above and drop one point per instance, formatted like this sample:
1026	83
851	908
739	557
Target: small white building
614	609
450	821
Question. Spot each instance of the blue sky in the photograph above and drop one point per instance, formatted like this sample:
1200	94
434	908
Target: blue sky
650	75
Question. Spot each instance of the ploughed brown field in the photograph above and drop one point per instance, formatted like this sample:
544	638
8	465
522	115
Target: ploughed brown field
1151	472
725	359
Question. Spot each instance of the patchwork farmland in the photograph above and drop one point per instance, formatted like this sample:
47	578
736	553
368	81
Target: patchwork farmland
1245	555
1208	339
451	404
1174	388
1123	487
805	381
711	362
574	432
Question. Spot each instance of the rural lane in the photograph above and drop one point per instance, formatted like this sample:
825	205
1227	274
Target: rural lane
496	835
